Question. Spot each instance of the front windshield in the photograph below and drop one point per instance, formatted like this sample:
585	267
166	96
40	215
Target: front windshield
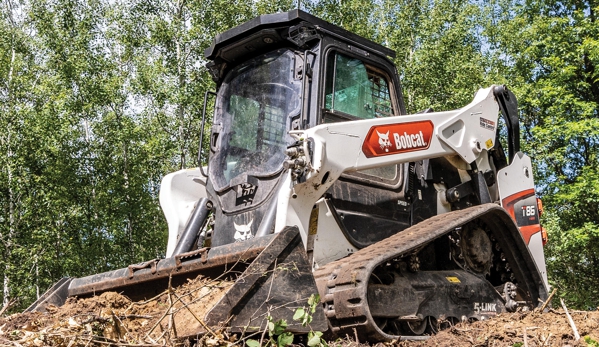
253	110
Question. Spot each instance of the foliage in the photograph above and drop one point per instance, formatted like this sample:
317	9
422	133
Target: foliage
438	52
548	52
277	337
439	56
303	314
99	100
590	342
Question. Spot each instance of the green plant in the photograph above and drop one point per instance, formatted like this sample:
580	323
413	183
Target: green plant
590	342
277	337
304	315
315	339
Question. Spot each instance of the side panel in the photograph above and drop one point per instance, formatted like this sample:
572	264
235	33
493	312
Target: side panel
329	243
179	191
517	194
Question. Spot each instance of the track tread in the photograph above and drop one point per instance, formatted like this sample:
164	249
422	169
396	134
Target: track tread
344	282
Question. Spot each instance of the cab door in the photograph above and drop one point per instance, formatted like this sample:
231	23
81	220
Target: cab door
368	205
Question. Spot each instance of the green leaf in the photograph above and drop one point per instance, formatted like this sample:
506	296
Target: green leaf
252	343
314	340
307	320
285	339
279	327
590	342
314	299
299	313
271	327
313	302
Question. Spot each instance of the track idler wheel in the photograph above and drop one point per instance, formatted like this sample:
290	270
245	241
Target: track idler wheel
477	249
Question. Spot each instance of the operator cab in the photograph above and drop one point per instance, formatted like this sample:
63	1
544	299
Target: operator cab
291	71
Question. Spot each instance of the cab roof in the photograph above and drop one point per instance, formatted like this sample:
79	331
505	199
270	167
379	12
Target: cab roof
241	36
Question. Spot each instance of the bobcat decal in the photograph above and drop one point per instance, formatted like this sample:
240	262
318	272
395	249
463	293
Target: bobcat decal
243	231
395	138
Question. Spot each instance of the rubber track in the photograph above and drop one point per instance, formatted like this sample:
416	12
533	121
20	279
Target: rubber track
343	283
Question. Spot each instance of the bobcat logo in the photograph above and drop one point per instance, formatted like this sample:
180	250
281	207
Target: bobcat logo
384	141
243	231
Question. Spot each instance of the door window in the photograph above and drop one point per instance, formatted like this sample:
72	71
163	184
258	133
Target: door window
355	89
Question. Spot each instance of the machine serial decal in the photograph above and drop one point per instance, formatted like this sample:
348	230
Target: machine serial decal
397	138
529	211
487	124
522	207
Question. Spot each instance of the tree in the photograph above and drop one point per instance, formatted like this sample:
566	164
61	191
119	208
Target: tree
16	77
439	51
549	51
439	58
99	101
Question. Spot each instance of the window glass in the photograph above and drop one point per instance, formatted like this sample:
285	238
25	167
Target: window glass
250	123
386	172
360	90
246	114
253	108
356	88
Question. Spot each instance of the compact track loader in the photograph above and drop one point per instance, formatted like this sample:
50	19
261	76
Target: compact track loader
319	182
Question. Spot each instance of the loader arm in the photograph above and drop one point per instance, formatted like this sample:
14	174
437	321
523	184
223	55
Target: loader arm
329	150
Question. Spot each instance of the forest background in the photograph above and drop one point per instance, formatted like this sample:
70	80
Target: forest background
101	98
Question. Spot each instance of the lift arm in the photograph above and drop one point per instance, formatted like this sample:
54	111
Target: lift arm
326	151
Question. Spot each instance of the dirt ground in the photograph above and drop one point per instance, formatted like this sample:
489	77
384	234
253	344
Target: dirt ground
520	330
111	319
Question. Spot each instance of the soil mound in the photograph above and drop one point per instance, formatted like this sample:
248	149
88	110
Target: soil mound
521	329
113	319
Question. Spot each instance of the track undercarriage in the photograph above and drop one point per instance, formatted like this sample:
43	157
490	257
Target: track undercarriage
463	265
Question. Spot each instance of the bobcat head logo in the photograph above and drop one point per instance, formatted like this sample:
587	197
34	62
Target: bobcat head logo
243	231
384	141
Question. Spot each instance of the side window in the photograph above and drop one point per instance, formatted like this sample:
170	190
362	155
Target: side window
356	88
